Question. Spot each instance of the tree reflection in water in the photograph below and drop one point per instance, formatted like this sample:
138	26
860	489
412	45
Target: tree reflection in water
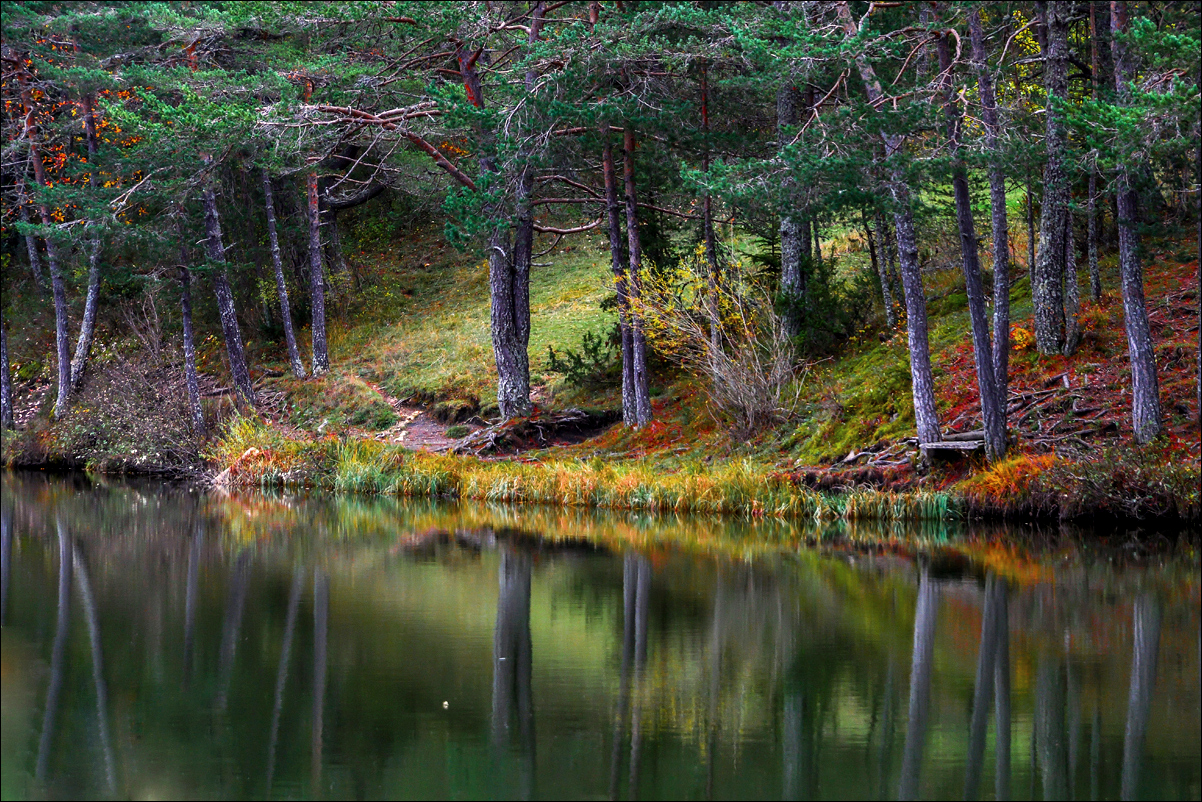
763	677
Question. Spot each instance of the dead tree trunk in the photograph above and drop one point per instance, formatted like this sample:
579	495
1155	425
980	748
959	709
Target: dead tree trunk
1047	279
642	393
1145	385
317	287
617	254
997	209
922	379
87	328
225	301
992	403
281	286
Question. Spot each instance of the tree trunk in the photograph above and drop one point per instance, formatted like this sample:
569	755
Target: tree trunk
707	225
317	287
922	379
31	242
1097	82
817	241
1145	385
281	286
61	340
1095	275
878	267
617	254
1047	280
992	403
509	314
185	305
792	280
87	329
6	387
225	301
642	393
997	209
889	257
1072	292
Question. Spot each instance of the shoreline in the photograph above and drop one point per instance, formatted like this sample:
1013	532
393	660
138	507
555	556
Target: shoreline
1022	489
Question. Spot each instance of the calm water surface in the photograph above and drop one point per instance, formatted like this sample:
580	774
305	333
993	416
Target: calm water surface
160	642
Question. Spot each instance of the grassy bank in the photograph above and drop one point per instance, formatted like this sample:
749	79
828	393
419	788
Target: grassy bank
414	335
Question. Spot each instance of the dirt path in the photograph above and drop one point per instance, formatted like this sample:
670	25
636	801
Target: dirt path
416	429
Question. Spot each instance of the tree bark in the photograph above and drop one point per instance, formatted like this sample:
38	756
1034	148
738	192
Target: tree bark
225	301
61	339
707	224
921	378
510	335
889	256
792	255
1047	280
281	286
878	266
87	328
31	242
617	254
642	393
1145	385
6	386
1097	82
997	209
992	403
1072	292
317	287
185	304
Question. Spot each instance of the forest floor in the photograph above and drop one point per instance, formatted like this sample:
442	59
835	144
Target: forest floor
413	374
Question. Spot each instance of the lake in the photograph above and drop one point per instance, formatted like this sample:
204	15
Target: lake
161	641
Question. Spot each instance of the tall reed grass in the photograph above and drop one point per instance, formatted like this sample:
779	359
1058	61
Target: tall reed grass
260	456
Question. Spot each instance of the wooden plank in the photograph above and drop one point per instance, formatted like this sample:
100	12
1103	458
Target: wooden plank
955	445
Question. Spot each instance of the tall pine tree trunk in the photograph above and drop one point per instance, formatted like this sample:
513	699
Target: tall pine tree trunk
634	247
992	404
31	242
185	307
617	255
792	222
1072	292
921	377
997	209
1047	280
317	286
281	286
225	301
889	257
707	223
508	265
87	328
1095	276
876	248
1145	385
6	385
61	340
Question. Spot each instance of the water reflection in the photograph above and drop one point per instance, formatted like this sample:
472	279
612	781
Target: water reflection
453	654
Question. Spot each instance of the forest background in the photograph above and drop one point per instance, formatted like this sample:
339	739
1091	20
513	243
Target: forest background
791	246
